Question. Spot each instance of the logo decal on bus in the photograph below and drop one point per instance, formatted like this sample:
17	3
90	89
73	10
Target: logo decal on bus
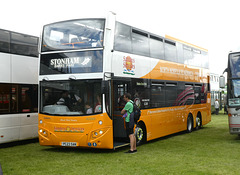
128	65
69	129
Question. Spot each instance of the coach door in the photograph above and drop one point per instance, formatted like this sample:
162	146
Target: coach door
119	133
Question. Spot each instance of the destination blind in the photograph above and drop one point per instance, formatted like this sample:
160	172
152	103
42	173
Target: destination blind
71	62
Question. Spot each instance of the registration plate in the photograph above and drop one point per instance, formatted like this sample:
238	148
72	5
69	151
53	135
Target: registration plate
72	144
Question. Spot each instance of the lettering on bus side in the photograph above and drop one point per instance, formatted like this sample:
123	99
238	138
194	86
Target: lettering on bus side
177	71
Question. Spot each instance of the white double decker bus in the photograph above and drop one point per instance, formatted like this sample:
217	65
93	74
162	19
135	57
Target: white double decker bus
18	86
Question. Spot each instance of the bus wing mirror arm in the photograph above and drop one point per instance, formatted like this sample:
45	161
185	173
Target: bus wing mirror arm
226	70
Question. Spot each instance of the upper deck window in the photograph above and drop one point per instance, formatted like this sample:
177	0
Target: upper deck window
24	44
4	41
75	34
170	51
140	43
123	41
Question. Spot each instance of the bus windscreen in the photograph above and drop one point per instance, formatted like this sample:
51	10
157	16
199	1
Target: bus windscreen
75	34
70	98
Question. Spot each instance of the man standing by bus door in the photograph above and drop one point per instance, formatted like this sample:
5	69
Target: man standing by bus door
129	127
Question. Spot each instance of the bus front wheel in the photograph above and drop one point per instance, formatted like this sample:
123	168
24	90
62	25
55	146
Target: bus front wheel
140	134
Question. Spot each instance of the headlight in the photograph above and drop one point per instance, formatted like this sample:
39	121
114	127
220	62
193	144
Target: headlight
40	121
98	133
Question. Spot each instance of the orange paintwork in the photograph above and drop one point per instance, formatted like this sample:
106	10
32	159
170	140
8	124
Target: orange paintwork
57	129
164	121
165	70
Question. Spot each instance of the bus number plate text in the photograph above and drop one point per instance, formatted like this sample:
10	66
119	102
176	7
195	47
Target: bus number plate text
72	144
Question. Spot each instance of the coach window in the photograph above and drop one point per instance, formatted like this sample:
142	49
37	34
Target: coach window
170	51
157	95
5	98
156	47
140	44
141	92
4	41
123	38
171	94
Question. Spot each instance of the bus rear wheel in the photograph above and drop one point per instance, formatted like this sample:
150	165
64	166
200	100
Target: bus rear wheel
189	124
140	134
198	122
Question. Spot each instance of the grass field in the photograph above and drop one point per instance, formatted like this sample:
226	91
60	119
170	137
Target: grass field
211	150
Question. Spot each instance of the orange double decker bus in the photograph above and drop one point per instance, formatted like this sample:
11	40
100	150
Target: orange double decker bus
86	65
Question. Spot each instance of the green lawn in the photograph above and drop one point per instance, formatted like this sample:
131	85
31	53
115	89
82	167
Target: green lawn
211	150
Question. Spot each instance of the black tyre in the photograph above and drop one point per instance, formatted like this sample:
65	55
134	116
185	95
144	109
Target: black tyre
198	122
140	134
189	124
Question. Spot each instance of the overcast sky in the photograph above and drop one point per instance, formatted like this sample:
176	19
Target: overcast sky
211	24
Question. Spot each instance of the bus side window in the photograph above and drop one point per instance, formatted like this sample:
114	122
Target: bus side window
170	51
140	43
171	94
141	92
157	95
4	41
156	47
189	94
28	98
122	40
197	93
5	98
14	96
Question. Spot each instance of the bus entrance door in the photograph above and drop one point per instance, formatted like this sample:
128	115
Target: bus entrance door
119	133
